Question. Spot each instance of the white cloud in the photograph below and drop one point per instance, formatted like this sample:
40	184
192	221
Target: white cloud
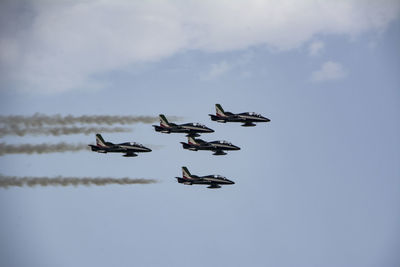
218	70
66	43
329	71
316	48
223	67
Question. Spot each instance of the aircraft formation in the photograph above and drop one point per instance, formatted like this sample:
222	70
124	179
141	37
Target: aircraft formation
192	130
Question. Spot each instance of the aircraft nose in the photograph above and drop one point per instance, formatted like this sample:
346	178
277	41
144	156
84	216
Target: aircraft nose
148	150
232	182
210	130
237	148
266	119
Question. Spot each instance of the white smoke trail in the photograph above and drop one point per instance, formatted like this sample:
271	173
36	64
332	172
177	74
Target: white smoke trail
40	148
49	148
8	181
57	131
38	120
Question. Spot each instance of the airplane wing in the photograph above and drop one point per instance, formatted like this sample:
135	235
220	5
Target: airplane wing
188	146
219	152
183	181
130	154
97	149
207	145
214	186
118	148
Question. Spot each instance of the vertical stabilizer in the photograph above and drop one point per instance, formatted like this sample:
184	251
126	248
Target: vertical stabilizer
219	110
163	121
191	140
185	173
100	141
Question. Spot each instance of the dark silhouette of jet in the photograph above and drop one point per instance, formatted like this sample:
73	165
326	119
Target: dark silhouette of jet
129	148
214	181
247	118
191	129
217	147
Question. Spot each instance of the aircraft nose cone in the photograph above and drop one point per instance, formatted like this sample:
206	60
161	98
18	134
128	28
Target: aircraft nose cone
232	182
237	148
266	119
210	130
148	150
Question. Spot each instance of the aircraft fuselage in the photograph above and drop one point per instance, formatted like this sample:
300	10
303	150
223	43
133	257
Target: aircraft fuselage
214	181
128	148
216	146
247	118
188	128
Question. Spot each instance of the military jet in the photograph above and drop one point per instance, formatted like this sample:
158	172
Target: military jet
191	129
247	118
129	148
214	181
217	147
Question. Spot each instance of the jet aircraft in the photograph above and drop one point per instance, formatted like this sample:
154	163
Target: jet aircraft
214	181
247	118
217	147
129	148
191	129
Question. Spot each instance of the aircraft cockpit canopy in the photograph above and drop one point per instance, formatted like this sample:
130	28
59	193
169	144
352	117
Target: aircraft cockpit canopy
254	114
135	144
219	176
199	125
225	142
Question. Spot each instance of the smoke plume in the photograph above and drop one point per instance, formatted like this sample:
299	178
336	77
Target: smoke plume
49	148
8	181
57	131
39	120
40	148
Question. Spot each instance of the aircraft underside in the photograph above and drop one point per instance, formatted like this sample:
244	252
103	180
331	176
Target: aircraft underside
211	185
219	153
214	186
248	124
245	122
131	154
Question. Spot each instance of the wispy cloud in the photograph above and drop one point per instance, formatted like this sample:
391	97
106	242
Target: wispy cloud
219	69
61	45
315	48
329	71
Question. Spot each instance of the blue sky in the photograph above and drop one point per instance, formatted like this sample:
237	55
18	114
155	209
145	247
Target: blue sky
317	186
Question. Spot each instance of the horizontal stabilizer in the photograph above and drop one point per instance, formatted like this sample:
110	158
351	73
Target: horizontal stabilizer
93	148
188	146
183	181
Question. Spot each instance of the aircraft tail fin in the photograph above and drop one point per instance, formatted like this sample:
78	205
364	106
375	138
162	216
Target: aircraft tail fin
219	110
191	140
163	120
100	141
185	173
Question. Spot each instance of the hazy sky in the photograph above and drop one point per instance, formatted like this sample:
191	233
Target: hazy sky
319	185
